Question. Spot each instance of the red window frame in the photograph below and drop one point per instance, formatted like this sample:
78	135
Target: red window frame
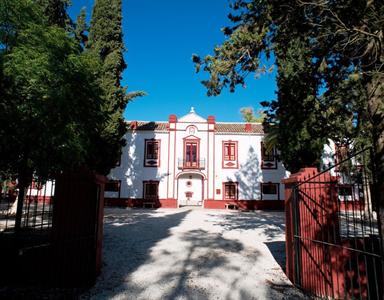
152	153
229	151
190	160
230	155
230	191
150	184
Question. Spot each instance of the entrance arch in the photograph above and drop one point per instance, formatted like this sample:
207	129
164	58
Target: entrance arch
190	189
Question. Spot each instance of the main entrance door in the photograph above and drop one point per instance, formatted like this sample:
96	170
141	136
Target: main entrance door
190	190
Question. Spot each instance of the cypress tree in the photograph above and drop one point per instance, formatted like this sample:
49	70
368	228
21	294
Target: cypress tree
106	41
56	12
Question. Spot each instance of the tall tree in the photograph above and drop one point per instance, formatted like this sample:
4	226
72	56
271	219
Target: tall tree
249	115
106	40
56	12
341	41
50	97
345	41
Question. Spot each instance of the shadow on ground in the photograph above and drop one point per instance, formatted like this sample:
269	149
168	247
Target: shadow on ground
271	224
164	254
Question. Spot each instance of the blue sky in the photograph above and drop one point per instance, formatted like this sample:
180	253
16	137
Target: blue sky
160	37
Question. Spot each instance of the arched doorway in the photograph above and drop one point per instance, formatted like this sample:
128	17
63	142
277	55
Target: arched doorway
190	189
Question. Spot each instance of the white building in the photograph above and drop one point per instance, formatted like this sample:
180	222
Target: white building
196	161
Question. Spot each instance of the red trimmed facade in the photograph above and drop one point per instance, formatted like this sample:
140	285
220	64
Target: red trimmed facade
202	163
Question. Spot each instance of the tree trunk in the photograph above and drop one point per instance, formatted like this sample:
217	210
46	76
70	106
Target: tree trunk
23	185
376	110
24	179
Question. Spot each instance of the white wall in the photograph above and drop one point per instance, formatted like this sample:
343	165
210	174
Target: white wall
132	172
249	174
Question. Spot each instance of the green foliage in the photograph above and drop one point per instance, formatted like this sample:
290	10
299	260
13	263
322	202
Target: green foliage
106	41
50	99
81	29
55	12
250	117
328	55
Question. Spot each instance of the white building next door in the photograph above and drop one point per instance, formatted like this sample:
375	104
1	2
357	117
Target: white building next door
190	189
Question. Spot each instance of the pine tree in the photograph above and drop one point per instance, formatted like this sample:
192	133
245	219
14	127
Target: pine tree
106	40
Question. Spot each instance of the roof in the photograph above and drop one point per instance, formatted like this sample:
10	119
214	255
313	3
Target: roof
238	128
256	128
151	126
192	117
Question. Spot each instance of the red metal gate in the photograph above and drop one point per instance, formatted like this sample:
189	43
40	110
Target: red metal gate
60	239
334	245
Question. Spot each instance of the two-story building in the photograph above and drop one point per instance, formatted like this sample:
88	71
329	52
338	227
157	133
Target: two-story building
196	161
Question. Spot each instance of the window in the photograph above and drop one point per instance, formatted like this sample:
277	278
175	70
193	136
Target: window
112	186
151	189
341	153
267	154
191	154
229	151
268	157
230	191
36	185
229	154
152	153
345	192
269	188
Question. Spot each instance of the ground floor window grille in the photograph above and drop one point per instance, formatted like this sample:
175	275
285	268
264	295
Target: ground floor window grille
269	188
113	186
151	190
230	191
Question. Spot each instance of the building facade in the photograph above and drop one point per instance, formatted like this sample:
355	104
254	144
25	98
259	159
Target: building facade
196	161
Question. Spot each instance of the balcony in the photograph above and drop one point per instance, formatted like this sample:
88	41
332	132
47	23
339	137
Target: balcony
186	164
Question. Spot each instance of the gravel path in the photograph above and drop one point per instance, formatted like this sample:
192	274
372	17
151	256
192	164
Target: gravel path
193	254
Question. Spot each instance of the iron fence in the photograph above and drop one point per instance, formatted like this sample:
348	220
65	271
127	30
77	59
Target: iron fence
336	232
57	242
37	207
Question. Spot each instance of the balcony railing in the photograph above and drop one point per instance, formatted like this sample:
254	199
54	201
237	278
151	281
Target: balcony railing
186	164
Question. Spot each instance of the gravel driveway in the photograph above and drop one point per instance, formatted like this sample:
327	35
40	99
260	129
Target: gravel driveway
193	254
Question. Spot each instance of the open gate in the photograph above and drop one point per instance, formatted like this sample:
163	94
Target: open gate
334	244
59	241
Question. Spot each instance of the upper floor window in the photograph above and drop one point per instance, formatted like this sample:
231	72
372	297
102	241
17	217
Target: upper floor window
191	153
229	154
230	191
152	153
268	157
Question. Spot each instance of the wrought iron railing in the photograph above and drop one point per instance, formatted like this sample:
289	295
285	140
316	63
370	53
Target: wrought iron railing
187	164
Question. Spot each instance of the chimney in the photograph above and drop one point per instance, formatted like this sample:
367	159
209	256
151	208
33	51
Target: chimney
172	119
248	127
211	120
133	125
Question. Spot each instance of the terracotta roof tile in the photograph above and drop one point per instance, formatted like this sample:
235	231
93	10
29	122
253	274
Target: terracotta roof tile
238	128
219	127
